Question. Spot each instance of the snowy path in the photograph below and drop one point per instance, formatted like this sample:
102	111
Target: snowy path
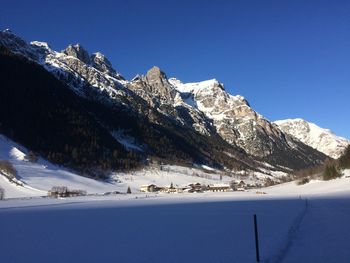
324	234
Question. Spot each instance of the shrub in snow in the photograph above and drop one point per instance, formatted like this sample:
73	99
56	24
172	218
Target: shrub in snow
269	182
7	169
63	191
331	172
303	181
31	157
2	193
233	185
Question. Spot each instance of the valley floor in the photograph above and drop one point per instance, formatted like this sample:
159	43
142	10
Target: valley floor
176	228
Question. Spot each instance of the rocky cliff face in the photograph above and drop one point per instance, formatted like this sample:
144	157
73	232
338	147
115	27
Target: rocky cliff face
202	108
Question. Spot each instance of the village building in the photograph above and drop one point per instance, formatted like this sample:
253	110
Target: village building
241	186
218	188
149	188
198	188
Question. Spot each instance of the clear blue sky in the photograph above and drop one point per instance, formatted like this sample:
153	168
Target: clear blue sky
288	58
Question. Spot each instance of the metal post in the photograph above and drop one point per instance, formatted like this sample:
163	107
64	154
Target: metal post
256	240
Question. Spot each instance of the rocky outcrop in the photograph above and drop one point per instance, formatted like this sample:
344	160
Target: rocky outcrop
154	86
158	84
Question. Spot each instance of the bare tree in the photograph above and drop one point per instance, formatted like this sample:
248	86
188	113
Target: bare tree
7	169
31	156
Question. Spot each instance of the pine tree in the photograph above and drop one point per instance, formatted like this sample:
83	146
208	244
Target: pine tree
129	190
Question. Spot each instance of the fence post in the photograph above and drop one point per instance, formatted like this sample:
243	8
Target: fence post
256	239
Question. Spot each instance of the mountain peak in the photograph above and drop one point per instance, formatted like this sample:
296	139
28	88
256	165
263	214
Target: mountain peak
155	73
7	30
101	63
78	52
157	83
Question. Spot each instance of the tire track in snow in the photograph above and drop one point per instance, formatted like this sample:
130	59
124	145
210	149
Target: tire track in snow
291	236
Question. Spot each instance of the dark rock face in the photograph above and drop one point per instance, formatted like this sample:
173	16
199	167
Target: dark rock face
17	45
78	52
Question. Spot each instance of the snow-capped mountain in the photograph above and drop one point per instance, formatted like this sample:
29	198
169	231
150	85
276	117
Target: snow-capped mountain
323	140
207	107
234	119
199	122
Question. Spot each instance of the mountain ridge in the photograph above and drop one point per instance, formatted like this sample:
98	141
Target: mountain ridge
324	140
208	115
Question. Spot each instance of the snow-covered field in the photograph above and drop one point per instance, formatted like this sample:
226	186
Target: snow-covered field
207	228
307	223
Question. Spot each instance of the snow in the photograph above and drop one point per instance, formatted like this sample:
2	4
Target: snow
41	44
40	177
340	186
17	154
323	235
192	87
14	191
207	167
